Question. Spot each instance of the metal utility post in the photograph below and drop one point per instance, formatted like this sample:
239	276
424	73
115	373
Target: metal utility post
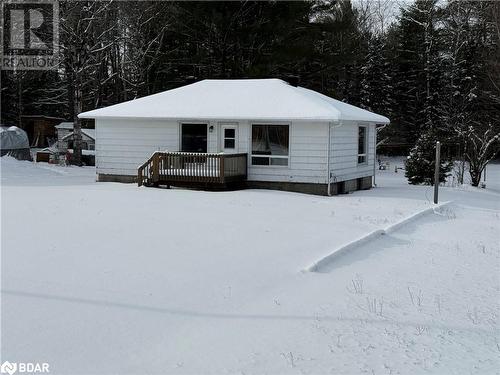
436	171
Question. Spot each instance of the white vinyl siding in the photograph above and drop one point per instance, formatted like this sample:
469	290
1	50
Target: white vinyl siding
344	151
123	145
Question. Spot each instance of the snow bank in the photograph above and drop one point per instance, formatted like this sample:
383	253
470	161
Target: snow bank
329	258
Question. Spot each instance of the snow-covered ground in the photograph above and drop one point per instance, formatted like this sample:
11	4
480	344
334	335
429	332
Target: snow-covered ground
105	278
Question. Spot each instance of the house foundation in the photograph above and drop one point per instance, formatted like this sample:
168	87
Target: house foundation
342	187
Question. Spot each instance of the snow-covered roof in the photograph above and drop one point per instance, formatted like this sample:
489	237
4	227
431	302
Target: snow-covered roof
52	150
84	152
42	117
65	125
239	99
88	132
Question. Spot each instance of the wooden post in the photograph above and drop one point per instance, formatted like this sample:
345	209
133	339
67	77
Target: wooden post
156	168
139	176
436	171
221	168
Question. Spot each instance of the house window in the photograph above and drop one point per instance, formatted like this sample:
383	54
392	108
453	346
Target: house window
194	138
229	138
91	146
270	145
362	142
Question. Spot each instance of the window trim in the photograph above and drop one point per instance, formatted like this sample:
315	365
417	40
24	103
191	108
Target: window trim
365	154
289	125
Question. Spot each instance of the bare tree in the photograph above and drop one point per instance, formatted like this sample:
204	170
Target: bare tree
471	69
376	15
85	39
482	147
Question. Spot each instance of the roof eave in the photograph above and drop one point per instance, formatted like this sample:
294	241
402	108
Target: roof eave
226	118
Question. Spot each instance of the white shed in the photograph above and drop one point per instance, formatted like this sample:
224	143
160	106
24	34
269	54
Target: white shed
292	138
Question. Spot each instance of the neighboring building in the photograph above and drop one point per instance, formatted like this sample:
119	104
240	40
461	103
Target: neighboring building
62	150
280	136
65	137
62	130
88	145
40	129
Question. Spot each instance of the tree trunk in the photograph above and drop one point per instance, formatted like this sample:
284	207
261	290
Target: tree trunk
20	102
77	126
75	106
475	175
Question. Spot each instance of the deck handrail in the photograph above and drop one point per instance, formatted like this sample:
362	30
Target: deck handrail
143	168
165	167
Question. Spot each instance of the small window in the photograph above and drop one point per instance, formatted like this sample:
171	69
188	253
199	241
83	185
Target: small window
362	141
270	145
91	146
229	138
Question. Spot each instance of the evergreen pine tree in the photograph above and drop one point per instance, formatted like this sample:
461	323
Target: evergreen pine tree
375	80
417	41
421	162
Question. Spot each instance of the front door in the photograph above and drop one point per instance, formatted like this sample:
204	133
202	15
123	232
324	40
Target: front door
194	138
229	138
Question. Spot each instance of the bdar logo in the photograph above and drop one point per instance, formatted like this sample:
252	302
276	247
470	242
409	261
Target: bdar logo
24	368
8	368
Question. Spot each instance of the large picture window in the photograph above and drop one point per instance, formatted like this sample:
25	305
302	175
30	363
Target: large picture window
362	142
270	145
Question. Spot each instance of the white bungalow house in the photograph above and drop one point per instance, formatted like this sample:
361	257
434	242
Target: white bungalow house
258	132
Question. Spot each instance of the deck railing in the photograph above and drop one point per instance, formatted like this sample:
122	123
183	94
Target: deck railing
170	168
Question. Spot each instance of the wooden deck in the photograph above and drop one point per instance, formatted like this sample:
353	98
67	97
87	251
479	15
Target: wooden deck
201	170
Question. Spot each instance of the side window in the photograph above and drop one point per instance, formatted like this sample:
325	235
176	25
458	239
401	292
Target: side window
362	144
